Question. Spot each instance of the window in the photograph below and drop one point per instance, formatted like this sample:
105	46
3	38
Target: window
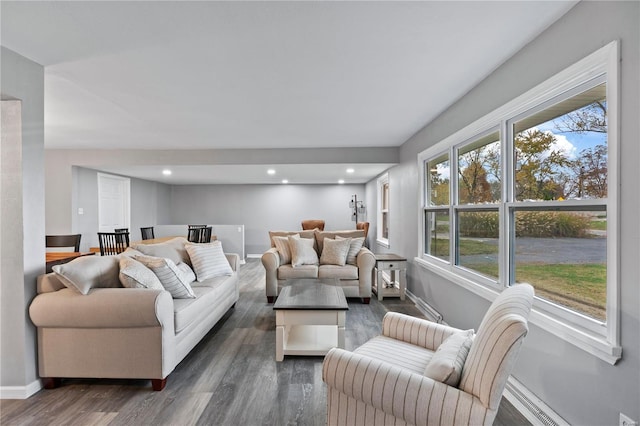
383	210
530	196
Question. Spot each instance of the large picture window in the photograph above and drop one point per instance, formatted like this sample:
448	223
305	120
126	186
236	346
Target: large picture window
530	196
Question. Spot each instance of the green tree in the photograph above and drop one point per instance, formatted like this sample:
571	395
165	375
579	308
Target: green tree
540	169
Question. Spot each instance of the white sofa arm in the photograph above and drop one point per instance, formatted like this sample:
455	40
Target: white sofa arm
416	331
271	263
354	380
103	308
366	262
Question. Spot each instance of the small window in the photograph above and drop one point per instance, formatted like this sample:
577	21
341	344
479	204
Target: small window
383	210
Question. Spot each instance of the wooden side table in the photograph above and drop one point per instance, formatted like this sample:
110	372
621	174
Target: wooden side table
397	266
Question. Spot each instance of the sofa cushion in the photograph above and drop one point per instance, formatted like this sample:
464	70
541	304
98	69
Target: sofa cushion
321	235
286	272
173	249
208	260
334	252
134	274
354	249
87	272
186	311
448	360
302	252
172	279
346	272
283	247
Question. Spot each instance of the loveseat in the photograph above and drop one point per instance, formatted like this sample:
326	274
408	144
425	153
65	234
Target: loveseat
355	275
90	326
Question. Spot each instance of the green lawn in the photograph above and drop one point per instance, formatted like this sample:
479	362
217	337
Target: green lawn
440	247
582	287
600	225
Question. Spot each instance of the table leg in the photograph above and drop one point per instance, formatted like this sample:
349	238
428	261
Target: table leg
279	343
403	283
341	327
379	284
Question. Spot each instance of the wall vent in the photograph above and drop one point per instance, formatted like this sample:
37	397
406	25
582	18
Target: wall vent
530	406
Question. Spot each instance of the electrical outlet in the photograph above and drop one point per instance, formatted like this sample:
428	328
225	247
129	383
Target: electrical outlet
627	421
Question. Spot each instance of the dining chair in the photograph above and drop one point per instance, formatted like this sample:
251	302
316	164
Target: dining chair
200	235
113	242
147	233
196	226
63	241
364	226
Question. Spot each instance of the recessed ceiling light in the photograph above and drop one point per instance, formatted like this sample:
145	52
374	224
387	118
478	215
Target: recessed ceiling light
350	170
271	172
285	181
341	181
166	172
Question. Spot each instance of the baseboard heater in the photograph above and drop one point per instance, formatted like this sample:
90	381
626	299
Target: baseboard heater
530	406
427	310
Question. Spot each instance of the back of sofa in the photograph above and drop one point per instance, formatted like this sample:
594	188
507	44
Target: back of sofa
317	235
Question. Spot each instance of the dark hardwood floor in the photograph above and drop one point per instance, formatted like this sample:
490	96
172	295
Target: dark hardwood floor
230	378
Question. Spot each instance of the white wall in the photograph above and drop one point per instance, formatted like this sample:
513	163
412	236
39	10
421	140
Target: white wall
21	223
263	208
580	387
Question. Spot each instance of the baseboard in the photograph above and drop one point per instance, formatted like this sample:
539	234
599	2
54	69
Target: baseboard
530	406
254	256
20	392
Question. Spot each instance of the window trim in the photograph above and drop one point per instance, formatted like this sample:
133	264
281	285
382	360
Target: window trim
604	61
382	180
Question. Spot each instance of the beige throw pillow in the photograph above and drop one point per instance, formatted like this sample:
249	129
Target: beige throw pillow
172	249
334	252
448	360
354	249
302	252
134	274
284	250
172	279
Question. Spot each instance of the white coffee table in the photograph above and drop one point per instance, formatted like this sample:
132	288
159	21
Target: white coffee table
310	317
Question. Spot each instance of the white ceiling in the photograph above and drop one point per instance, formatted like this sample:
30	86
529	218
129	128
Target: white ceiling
214	75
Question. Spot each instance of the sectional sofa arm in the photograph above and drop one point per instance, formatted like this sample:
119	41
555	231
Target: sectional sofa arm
400	393
271	263
416	331
103	308
234	260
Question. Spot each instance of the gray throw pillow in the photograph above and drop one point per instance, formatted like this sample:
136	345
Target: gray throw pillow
134	274
354	249
173	249
172	279
87	272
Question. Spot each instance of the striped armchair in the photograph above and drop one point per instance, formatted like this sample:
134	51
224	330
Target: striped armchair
383	381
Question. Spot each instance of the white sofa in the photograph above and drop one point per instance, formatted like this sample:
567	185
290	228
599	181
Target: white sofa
117	332
355	280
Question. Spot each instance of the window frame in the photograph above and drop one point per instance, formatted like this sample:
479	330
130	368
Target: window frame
381	182
596	338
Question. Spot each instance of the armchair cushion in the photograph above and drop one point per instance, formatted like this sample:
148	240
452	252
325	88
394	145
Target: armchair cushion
401	354
448	360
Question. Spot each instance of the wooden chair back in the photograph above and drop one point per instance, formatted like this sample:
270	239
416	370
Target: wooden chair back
112	243
63	241
147	233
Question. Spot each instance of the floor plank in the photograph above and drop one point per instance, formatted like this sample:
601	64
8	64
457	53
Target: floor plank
230	378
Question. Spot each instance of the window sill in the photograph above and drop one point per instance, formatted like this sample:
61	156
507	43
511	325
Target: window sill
383	243
590	343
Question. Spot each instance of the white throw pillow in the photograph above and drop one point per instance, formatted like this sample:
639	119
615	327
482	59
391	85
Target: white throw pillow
208	260
448	360
302	252
134	274
334	252
188	274
354	249
284	250
87	272
171	278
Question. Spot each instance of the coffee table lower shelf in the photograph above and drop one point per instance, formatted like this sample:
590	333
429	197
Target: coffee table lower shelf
295	336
